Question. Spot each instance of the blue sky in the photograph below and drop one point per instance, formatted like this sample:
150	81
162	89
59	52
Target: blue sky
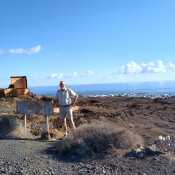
87	41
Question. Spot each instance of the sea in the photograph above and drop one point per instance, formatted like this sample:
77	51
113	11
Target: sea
146	89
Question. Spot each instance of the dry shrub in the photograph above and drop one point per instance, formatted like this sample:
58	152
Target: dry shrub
11	127
56	122
36	124
97	139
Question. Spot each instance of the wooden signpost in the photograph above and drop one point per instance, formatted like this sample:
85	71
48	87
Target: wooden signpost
30	107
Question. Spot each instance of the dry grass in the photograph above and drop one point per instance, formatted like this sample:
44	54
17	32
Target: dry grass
98	139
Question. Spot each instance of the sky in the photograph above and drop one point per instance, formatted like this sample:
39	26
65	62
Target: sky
87	41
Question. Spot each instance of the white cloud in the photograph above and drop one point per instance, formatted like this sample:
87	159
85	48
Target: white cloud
71	75
171	66
56	76
90	72
131	68
26	51
158	66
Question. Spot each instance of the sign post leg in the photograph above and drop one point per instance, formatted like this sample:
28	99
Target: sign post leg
47	124
25	124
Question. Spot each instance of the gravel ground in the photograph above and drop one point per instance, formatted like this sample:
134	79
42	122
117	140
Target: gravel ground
25	157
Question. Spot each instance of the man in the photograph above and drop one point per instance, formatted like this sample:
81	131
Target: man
66	98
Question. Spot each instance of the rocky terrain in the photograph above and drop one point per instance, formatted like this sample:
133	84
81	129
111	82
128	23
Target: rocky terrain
148	118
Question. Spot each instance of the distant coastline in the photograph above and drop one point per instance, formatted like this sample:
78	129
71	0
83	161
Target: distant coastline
150	89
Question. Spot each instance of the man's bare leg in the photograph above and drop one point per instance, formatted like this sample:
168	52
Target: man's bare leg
73	124
72	120
65	126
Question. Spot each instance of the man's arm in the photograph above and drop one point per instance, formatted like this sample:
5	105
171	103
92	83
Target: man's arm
75	100
74	95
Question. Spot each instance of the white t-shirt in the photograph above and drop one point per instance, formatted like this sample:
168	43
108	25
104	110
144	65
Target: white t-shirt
64	97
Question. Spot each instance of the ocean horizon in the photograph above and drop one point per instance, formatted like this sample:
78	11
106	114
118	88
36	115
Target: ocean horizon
114	89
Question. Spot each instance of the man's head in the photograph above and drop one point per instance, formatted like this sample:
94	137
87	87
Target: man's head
62	85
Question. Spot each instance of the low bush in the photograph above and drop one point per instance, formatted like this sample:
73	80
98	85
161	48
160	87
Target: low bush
97	139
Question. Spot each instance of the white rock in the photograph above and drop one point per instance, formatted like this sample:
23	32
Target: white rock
168	137
160	137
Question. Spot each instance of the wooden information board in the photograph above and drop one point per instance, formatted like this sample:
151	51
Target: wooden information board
30	107
34	107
